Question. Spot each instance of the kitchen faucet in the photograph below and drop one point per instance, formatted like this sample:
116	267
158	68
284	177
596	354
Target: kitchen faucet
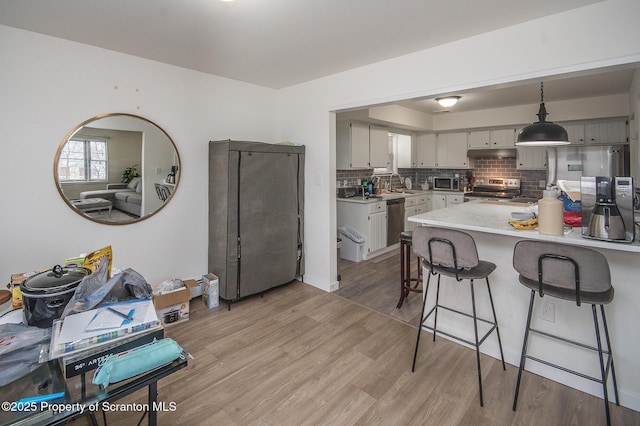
399	177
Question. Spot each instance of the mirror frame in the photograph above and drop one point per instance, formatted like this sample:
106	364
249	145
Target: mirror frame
85	123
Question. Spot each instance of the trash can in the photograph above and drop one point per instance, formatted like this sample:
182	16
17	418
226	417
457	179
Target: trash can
339	259
352	244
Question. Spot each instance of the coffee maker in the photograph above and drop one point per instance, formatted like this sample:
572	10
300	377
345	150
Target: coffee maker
171	177
607	208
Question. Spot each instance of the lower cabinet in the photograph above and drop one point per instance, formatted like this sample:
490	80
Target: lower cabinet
377	232
369	219
439	201
446	199
414	206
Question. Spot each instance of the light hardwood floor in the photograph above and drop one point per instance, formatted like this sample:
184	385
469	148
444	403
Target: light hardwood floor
300	356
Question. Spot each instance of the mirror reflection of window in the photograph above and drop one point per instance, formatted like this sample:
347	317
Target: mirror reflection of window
83	160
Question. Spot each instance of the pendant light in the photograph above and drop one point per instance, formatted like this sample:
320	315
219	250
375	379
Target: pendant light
542	132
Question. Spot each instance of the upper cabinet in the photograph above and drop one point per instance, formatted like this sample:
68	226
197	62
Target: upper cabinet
443	151
601	132
497	138
531	158
360	147
451	151
378	147
426	150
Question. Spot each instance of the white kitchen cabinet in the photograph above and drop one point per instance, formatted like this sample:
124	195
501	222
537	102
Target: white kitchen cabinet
451	151
454	199
377	232
618	131
503	138
352	146
426	150
479	139
369	219
379	147
575	133
415	205
606	132
438	201
600	132
531	158
406	152
497	138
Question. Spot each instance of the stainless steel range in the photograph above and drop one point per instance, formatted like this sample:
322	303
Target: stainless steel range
497	188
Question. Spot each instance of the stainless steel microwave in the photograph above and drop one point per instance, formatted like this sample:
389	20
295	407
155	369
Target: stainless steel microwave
446	183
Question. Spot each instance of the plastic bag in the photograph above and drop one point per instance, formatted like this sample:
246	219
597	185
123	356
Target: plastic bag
22	348
96	288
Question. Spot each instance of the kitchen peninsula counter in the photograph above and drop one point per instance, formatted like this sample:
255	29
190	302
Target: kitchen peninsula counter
495	239
493	217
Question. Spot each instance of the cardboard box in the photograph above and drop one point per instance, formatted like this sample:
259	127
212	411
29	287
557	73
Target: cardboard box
571	204
173	307
194	288
210	293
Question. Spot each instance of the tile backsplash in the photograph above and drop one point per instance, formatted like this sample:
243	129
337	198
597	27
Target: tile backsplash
481	168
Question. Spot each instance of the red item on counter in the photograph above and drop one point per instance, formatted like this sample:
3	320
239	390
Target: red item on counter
573	219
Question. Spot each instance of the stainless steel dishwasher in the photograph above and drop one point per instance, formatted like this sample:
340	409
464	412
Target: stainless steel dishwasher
395	220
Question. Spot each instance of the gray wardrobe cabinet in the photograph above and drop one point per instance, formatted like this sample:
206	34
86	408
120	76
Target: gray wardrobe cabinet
256	216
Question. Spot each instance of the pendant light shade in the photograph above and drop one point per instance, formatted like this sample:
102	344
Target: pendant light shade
542	132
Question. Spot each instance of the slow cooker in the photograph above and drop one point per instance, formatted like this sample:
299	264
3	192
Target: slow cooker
45	295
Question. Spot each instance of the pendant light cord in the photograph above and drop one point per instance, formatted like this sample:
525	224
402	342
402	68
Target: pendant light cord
542	112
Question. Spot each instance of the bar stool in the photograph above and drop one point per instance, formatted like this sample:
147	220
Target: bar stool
570	273
405	268
453	254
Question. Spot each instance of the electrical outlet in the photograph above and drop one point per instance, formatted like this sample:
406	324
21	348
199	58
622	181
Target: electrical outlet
548	312
542	184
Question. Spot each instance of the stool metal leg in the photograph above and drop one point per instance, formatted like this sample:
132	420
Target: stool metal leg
475	331
603	372
524	349
495	320
424	304
613	369
435	317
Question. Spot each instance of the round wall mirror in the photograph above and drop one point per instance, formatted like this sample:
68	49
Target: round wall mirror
117	169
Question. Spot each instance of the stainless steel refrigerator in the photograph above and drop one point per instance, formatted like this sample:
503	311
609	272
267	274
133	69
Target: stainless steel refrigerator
571	162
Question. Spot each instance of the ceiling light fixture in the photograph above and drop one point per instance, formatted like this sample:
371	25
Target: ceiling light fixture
448	101
542	132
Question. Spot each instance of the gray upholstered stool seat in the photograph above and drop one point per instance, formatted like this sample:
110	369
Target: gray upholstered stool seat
406	238
453	253
571	273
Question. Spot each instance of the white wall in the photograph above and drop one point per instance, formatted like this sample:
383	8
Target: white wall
600	35
634	127
49	86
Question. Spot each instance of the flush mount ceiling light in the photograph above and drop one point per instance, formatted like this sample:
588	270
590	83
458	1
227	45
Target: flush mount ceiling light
448	101
542	132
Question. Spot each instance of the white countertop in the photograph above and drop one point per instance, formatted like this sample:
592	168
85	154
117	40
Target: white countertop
494	219
395	195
